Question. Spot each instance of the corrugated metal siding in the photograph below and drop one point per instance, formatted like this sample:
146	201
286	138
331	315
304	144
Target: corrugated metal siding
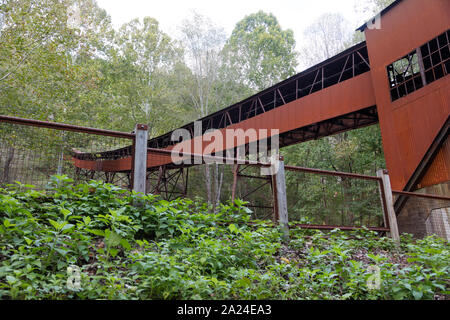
439	170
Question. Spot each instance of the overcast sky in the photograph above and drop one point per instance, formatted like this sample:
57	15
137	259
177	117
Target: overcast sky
292	14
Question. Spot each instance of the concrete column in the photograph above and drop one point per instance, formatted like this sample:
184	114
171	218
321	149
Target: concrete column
140	158
386	185
279	190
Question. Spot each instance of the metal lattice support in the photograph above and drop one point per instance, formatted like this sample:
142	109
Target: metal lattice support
169	183
246	194
120	179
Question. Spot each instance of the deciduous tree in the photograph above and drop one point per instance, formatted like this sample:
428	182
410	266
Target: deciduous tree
260	51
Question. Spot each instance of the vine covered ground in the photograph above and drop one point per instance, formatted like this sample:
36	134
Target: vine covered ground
96	241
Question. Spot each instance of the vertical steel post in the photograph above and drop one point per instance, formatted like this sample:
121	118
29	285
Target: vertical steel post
140	158
389	205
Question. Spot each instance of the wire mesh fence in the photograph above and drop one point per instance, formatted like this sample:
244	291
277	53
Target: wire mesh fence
327	199
422	215
315	198
31	154
334	200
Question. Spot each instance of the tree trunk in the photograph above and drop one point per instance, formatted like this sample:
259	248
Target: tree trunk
6	167
208	183
218	183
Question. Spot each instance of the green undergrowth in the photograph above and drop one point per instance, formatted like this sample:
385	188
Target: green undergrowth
96	241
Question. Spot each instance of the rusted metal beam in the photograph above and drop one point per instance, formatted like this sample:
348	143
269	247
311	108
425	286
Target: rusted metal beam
256	189
282	99
209	157
66	127
314	82
253	177
261	104
344	228
363	58
343	69
332	173
421	195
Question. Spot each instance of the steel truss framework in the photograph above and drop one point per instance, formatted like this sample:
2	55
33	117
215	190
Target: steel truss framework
239	173
167	182
346	65
117	178
355	120
171	183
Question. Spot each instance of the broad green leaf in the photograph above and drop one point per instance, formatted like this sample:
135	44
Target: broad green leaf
8	223
232	228
96	232
87	220
57	225
124	243
67	227
11	279
113	252
65	212
417	294
111	238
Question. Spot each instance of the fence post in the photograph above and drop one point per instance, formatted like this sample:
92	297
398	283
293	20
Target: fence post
279	190
392	218
140	158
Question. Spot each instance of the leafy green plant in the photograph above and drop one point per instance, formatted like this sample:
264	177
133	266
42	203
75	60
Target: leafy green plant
180	250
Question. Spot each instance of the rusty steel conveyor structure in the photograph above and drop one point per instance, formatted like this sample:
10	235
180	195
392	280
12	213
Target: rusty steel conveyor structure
285	106
359	87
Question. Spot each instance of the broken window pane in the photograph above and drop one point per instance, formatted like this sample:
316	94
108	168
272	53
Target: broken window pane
402	75
405	75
